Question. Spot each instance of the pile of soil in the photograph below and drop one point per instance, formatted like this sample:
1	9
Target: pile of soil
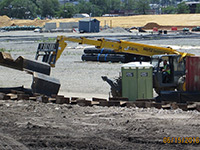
35	22
151	25
4	18
5	21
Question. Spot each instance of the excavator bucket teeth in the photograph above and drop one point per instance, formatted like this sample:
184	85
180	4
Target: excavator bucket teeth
44	84
7	61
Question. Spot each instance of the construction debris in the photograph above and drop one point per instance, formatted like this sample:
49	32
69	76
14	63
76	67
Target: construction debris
42	82
115	102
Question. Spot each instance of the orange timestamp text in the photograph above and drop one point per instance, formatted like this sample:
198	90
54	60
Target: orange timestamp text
185	140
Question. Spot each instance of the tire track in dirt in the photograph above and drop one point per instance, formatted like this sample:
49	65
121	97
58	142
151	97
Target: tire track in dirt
8	143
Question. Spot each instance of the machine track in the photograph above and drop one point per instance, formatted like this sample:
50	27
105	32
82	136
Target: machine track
8	143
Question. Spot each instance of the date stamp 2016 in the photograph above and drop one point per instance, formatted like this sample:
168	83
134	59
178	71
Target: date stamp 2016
185	140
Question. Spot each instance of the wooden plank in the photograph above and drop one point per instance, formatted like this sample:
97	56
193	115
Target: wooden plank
75	99
109	103
83	102
22	97
198	107
130	104
146	100
123	103
12	96
182	106
62	100
3	96
95	103
32	98
166	106
148	104
157	105
191	106
42	98
118	99
140	104
174	105
99	99
52	100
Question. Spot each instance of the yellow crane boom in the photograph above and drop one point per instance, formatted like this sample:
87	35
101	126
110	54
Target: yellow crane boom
116	45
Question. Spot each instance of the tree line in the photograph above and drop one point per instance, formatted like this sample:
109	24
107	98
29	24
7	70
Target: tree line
28	9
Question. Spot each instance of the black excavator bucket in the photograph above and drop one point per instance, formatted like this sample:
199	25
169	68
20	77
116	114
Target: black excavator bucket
44	84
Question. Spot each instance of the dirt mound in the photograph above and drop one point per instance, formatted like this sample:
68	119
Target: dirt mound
4	18
151	25
35	22
114	30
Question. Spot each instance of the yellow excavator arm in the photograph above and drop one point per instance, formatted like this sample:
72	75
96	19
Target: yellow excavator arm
117	46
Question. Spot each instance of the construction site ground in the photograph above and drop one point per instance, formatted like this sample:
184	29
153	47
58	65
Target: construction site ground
36	125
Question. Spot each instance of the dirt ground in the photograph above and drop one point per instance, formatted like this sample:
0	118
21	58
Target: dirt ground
35	125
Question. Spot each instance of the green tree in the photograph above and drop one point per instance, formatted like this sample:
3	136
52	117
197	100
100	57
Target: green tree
67	11
182	8
84	7
105	6
169	10
198	8
23	9
88	7
29	8
99	2
142	7
18	8
154	1
5	7
129	4
48	7
113	5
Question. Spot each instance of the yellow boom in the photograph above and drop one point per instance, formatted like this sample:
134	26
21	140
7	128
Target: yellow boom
53	51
